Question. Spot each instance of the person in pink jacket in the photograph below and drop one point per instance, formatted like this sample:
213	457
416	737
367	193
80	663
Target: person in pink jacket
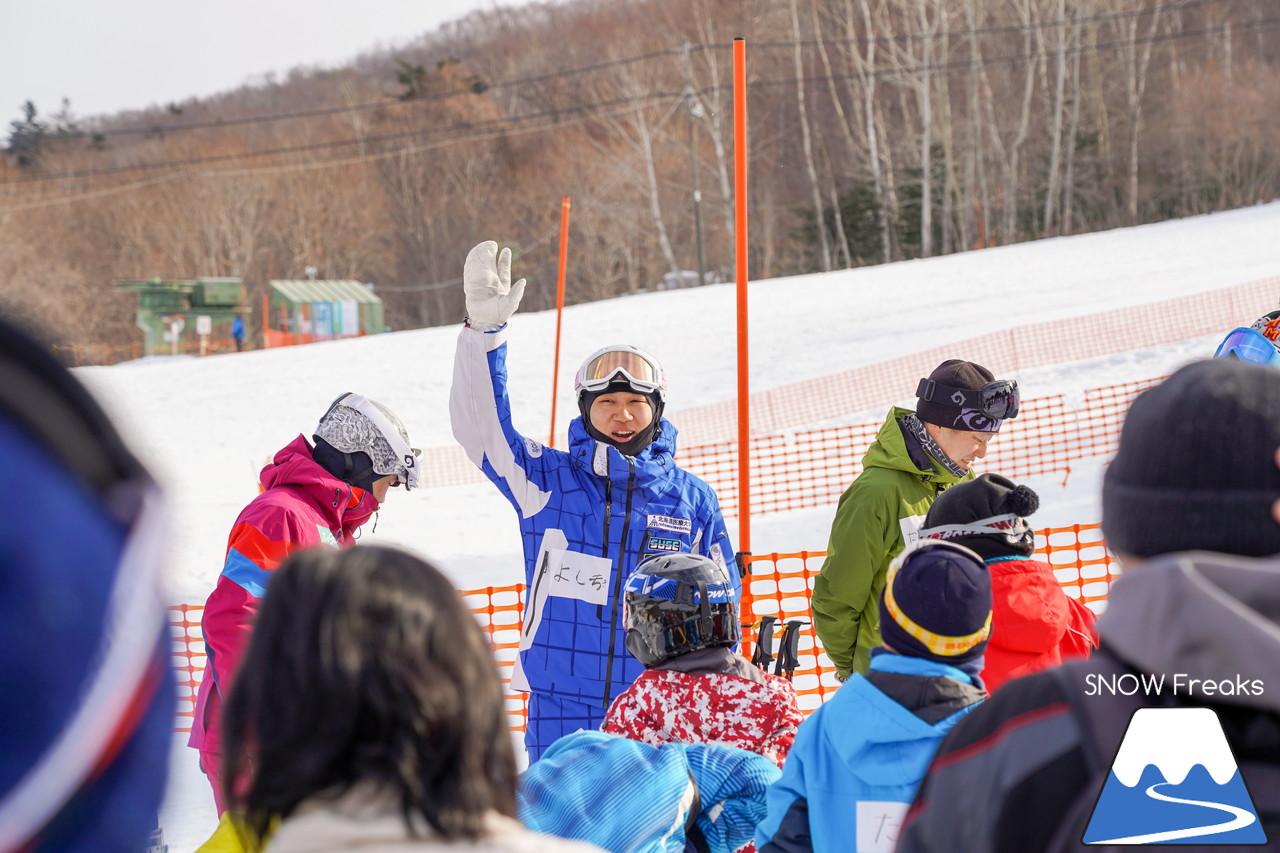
1035	624
682	623
312	496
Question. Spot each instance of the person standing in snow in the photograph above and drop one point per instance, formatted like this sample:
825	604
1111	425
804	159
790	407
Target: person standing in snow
913	458
1189	509
237	333
1035	625
682	624
312	496
588	515
859	757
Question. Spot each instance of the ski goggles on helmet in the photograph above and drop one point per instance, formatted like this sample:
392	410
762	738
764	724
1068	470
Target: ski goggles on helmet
1249	345
639	369
997	400
397	457
1009	524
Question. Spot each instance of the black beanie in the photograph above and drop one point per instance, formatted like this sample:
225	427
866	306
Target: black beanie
1196	468
936	604
956	373
643	438
974	502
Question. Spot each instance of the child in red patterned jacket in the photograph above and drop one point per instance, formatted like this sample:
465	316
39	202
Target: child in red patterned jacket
682	622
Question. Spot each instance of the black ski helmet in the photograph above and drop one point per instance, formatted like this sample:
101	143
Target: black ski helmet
679	603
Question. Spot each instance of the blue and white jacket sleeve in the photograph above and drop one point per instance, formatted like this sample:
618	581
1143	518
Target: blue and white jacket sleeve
480	413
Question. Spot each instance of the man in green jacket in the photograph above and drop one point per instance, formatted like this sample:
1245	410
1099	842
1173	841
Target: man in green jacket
914	457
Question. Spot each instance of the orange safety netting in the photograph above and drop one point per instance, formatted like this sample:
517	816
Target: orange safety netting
496	608
777	585
780	585
813	467
708	430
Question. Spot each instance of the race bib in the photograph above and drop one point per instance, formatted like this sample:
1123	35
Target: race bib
878	826
571	574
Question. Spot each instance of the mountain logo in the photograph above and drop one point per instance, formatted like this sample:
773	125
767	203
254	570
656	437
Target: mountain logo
1174	781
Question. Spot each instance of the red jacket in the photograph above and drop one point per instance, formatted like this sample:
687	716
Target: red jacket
1034	624
302	506
664	706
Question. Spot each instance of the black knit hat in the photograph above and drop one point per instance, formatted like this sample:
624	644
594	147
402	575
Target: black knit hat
936	604
1196	466
967	376
987	514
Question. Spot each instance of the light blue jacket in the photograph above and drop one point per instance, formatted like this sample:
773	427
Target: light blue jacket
632	797
855	767
587	517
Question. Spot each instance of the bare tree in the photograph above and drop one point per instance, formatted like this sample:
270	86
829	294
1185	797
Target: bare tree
806	143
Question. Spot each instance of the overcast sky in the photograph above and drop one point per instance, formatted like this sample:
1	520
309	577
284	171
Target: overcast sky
111	55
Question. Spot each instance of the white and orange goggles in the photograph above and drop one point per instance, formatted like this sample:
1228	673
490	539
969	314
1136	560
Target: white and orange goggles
640	370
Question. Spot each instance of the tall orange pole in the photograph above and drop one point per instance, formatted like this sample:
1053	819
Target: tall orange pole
555	374
740	228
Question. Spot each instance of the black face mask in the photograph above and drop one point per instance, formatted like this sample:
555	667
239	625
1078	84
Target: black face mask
353	468
642	438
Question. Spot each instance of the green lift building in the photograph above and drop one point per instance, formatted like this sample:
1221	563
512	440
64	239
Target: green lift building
164	306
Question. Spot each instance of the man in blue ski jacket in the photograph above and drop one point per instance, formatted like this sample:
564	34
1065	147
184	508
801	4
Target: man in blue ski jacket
859	758
588	516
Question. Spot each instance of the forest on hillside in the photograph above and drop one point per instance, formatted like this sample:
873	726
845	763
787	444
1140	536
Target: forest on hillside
878	129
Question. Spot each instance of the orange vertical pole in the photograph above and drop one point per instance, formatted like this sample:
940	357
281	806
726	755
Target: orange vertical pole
555	371
740	228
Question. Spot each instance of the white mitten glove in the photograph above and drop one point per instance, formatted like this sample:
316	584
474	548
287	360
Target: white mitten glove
486	279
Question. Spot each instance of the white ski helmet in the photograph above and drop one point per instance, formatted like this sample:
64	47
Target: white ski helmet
357	424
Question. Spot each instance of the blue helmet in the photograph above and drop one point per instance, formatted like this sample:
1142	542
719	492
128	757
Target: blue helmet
679	603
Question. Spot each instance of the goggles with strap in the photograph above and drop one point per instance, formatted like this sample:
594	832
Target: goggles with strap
1248	345
639	369
1008	524
997	400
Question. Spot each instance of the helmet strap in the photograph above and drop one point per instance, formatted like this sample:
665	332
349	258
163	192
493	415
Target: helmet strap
640	649
705	606
350	478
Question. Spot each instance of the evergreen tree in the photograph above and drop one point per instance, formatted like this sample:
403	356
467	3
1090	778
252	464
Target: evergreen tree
28	137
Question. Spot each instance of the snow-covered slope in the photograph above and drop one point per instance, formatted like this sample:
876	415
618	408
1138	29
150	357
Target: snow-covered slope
208	425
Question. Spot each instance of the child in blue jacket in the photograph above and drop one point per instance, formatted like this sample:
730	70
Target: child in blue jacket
859	758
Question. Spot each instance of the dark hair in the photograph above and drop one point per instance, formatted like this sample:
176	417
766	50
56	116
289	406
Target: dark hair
366	666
